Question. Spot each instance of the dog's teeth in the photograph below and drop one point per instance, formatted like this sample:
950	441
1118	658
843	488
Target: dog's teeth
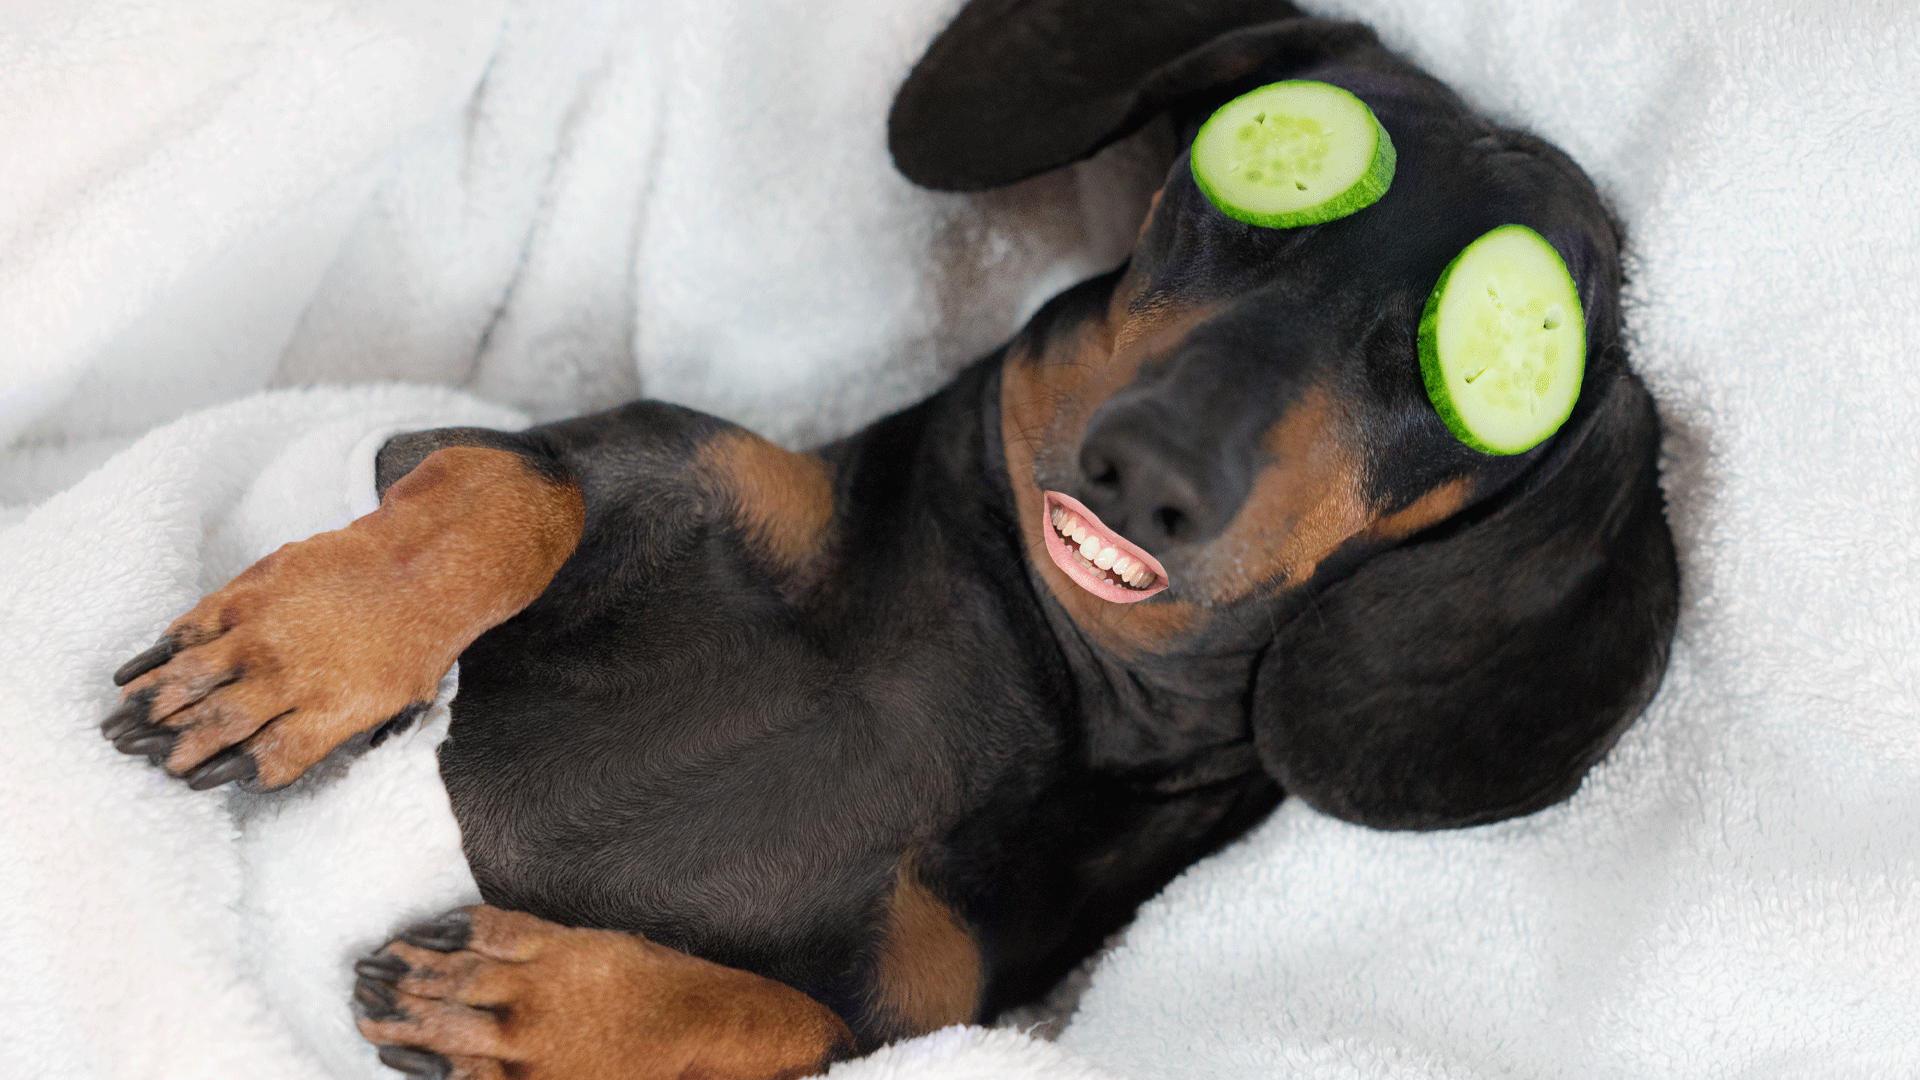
1099	557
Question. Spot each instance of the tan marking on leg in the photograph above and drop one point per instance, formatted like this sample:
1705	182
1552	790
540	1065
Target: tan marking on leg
463	976
930	973
476	1068
542	1001
783	499
445	1027
331	636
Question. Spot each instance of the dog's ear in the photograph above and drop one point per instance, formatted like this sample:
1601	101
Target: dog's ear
1014	88
1477	674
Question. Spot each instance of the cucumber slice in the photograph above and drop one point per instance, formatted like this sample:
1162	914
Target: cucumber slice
1292	153
1503	342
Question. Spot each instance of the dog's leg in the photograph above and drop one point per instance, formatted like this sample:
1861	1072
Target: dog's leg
484	993
351	629
928	971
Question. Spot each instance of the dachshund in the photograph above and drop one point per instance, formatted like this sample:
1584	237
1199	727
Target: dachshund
763	758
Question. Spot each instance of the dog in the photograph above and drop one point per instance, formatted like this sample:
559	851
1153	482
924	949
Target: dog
763	759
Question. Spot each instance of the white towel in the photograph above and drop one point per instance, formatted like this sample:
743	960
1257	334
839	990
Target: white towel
326	189
151	931
518	198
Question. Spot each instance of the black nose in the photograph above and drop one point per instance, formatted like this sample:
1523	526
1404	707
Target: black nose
1153	480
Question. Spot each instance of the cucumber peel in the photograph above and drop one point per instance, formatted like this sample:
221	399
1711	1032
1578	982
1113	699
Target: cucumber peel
1292	153
1503	342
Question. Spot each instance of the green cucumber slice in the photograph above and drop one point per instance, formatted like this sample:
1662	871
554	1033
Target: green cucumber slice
1292	153
1503	342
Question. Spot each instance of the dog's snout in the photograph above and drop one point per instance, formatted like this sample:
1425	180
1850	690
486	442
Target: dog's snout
1149	482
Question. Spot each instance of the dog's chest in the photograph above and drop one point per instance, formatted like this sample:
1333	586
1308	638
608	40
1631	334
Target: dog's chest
700	770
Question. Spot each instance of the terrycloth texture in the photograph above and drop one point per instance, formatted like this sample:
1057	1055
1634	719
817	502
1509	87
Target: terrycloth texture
1736	891
514	197
150	930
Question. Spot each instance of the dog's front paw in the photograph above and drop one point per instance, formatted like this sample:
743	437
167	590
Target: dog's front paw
265	677
487	993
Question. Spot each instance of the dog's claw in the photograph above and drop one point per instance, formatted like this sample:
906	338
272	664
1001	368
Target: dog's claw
376	1000
145	739
415	1061
234	764
448	933
131	714
161	652
386	968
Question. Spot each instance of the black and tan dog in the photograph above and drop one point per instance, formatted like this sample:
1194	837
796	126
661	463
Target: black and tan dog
763	758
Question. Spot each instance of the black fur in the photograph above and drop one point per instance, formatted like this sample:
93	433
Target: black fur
682	740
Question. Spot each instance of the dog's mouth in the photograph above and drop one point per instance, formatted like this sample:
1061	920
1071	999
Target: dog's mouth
1095	557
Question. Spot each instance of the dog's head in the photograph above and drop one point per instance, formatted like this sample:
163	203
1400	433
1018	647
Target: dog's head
1444	637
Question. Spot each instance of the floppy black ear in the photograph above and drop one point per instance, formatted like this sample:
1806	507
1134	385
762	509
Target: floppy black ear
1016	87
1478	675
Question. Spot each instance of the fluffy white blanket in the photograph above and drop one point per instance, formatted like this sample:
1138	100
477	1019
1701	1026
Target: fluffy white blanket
522	199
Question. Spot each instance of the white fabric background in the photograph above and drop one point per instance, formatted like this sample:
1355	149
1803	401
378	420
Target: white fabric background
558	206
550	204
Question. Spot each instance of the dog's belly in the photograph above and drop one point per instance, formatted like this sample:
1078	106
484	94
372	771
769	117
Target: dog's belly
719	784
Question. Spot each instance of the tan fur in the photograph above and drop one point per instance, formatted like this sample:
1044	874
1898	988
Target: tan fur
535	1000
1304	505
1308	504
1430	509
784	500
1045	403
930	973
331	636
1301	507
